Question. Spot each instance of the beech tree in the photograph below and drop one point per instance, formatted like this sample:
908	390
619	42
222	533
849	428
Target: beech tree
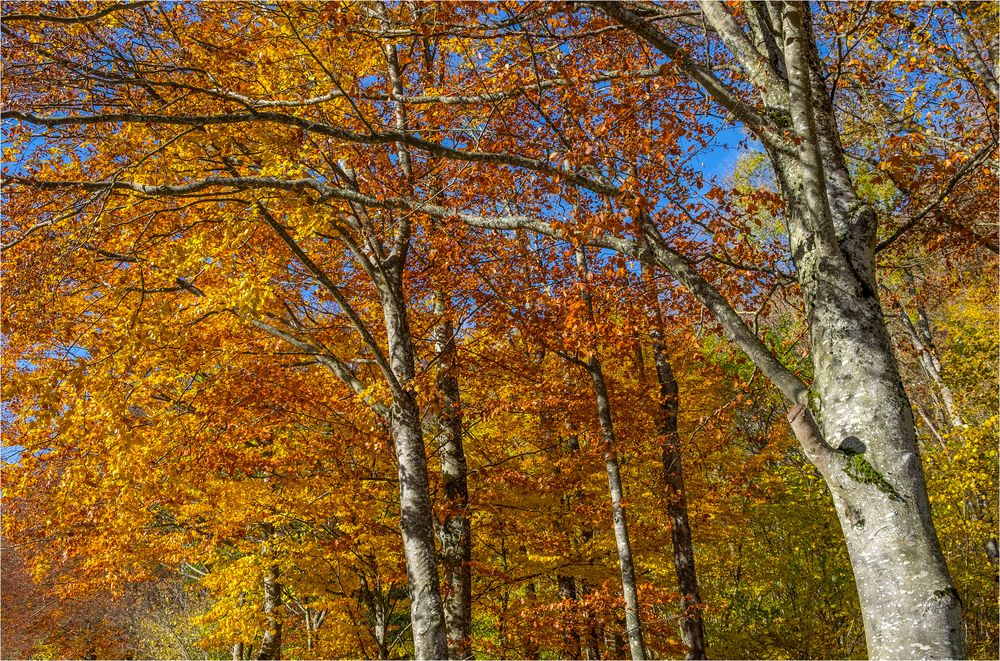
191	184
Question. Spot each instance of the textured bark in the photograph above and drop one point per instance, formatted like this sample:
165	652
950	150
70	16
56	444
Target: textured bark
386	269
692	625
403	415
455	531
417	524
238	652
313	620
909	604
983	61
417	518
416	515
633	622
665	418
270	646
571	637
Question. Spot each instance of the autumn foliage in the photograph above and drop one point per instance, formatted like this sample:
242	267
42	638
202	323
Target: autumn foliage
364	330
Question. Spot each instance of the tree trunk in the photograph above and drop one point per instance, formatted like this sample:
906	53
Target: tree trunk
692	625
377	603
416	515
665	418
571	637
417	524
381	630
633	622
619	643
531	597
238	652
313	621
865	443
455	533
592	649
922	339
909	604
270	646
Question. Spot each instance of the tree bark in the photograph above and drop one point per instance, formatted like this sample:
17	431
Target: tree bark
455	532
864	442
692	625
571	637
403	416
592	648
665	418
922	339
377	602
633	621
531	650
270	646
909	604
417	524
416	515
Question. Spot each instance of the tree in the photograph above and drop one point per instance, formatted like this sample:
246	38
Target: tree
178	189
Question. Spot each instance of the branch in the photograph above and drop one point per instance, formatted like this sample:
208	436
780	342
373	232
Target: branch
760	69
807	432
43	224
342	301
421	99
976	159
659	252
808	149
374	138
768	133
43	18
662	255
168	190
258	183
330	361
31	230
732	325
978	62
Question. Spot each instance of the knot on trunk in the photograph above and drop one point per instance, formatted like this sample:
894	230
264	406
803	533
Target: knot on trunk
852	445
